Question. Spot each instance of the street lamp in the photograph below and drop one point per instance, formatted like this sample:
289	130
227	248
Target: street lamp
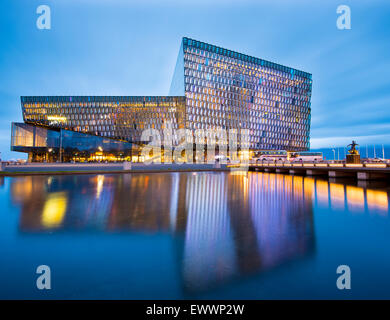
334	154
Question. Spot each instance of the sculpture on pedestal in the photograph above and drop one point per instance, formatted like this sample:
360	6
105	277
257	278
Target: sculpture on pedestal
353	155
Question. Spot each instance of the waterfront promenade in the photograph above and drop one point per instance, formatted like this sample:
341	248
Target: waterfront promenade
369	171
80	168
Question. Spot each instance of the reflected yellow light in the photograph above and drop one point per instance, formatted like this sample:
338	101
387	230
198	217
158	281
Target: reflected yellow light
308	187
22	188
298	184
54	209
322	192
239	172
378	200
99	185
355	197
337	195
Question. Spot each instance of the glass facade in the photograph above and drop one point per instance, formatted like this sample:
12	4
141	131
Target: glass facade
43	144
230	90
212	88
25	137
122	118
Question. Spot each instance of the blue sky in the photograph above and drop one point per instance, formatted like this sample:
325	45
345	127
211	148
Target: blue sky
120	47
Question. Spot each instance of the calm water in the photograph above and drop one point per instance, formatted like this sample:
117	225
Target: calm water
193	235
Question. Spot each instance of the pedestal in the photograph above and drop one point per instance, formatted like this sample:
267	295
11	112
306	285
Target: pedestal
353	158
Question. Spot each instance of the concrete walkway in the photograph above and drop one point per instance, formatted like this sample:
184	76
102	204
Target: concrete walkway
79	168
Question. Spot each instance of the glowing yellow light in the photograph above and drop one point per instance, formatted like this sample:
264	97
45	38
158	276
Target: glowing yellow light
321	164
337	195
54	209
355	197
99	185
375	165
322	192
308	187
56	118
378	200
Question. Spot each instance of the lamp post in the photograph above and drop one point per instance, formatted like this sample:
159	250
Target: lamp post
334	154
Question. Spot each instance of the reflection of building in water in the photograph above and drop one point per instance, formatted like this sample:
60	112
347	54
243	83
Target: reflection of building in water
281	210
31	194
54	210
209	255
223	225
124	202
53	202
241	224
143	202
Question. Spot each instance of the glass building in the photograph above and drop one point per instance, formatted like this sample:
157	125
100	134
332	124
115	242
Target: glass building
229	90
107	128
212	88
50	145
122	118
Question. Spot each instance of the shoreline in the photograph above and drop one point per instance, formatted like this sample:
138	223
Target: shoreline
103	168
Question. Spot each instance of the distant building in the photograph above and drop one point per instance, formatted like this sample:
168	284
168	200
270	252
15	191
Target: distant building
212	88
